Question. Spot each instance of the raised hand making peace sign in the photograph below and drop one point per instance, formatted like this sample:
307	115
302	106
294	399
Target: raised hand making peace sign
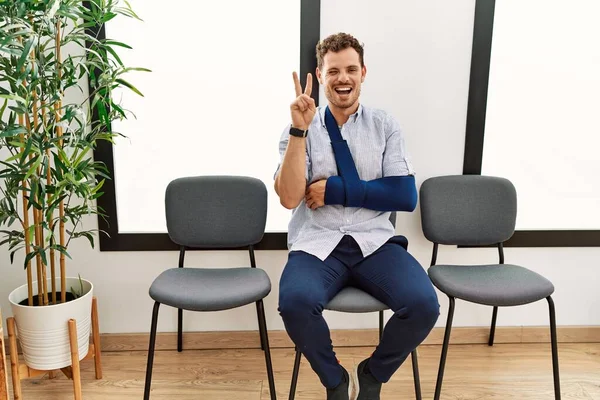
303	108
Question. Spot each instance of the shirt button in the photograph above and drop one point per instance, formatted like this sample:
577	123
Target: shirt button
348	221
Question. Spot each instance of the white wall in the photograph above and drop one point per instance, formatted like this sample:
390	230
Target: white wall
418	58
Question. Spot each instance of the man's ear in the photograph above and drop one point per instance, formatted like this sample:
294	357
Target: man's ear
319	76
363	73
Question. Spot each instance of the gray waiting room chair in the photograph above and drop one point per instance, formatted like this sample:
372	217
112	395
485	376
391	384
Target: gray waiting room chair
473	210
213	212
354	300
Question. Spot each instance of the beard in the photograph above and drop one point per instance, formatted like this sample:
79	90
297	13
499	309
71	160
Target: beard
342	102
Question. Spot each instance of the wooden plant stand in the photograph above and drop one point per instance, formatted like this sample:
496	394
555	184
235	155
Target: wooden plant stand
3	371
20	372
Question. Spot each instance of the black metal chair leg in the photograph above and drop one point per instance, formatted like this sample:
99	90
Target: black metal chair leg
440	377
179	330
151	351
380	325
554	341
262	344
417	379
262	327
413	355
295	374
493	328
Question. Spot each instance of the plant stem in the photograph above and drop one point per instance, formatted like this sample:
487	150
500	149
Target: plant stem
37	214
61	227
49	219
26	217
26	228
36	236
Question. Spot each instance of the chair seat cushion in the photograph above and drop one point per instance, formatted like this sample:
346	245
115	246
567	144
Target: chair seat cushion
494	285
210	289
353	300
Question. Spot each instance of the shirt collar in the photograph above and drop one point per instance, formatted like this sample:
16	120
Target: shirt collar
353	118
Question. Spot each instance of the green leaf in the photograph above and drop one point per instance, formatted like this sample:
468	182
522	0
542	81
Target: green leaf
61	250
30	233
95	53
25	53
29	257
14	131
43	255
102	112
12	255
3	108
139	69
11	51
81	156
12	97
17	25
130	11
34	167
53	9
114	54
33	197
107	17
115	43
117	108
99	186
26	152
59	166
88	236
13	158
64	158
129	85
102	174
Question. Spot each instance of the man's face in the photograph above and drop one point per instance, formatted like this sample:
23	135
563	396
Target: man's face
342	76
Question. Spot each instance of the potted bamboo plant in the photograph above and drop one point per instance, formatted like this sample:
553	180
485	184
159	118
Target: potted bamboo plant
48	179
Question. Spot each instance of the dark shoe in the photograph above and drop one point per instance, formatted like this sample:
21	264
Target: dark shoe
341	391
366	386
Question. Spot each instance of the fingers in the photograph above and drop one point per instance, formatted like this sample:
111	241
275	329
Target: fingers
303	103
312	202
310	102
308	197
300	104
297	85
313	205
308	88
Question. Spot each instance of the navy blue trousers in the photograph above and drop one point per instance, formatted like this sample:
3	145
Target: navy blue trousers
390	274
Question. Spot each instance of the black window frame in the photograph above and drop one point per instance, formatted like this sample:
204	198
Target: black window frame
112	239
475	132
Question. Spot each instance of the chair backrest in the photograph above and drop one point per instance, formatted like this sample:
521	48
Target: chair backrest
468	209
216	211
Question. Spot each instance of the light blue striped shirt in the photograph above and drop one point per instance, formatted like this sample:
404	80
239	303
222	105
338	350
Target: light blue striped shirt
377	146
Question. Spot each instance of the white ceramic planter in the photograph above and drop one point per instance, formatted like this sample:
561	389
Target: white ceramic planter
43	332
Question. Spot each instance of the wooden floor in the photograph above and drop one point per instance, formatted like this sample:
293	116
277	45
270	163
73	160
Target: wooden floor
505	371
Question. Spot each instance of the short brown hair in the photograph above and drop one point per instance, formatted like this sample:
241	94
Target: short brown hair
338	42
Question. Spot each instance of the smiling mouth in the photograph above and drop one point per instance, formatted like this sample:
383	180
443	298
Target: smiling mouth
344	91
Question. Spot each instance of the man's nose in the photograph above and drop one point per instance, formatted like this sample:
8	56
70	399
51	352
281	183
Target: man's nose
344	77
